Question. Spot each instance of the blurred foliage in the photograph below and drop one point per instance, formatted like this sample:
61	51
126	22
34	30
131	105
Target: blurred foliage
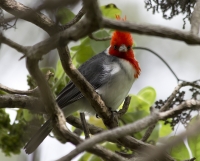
172	8
14	135
64	15
194	142
180	151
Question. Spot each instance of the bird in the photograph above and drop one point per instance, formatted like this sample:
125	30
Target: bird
112	74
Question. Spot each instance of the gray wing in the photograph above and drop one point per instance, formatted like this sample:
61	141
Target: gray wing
96	76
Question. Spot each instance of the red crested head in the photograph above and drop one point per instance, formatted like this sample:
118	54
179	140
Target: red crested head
121	46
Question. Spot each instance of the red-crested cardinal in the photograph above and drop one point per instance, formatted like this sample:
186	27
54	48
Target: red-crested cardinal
111	72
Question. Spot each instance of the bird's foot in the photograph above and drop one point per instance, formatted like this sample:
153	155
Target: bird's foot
114	115
97	116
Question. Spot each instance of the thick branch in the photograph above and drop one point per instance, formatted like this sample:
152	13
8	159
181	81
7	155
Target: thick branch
114	134
19	10
195	19
96	149
127	141
153	30
132	128
25	102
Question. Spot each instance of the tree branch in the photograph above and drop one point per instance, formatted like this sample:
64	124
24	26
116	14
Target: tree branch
193	130
13	44
84	124
153	30
114	134
76	19
131	128
124	109
96	149
167	104
171	97
19	10
184	106
25	102
32	92
126	141
195	19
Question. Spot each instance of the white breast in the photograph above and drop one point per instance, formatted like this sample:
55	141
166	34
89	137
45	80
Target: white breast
120	83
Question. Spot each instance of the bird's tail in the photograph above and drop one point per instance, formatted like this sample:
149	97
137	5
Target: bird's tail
38	137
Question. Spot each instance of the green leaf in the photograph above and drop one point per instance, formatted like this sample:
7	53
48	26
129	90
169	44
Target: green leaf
84	53
148	94
46	69
133	116
85	157
75	48
179	152
2	92
138	104
110	10
194	142
64	15
165	129
99	46
154	135
27	115
111	146
143	100
95	158
59	70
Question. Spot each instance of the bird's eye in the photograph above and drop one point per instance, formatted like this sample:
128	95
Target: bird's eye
115	47
128	47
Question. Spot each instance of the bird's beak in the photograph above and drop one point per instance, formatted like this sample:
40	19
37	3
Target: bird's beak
123	48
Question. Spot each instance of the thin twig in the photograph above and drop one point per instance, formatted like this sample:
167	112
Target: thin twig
32	92
166	106
178	109
143	48
192	159
148	133
18	47
84	124
75	19
124	109
171	97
